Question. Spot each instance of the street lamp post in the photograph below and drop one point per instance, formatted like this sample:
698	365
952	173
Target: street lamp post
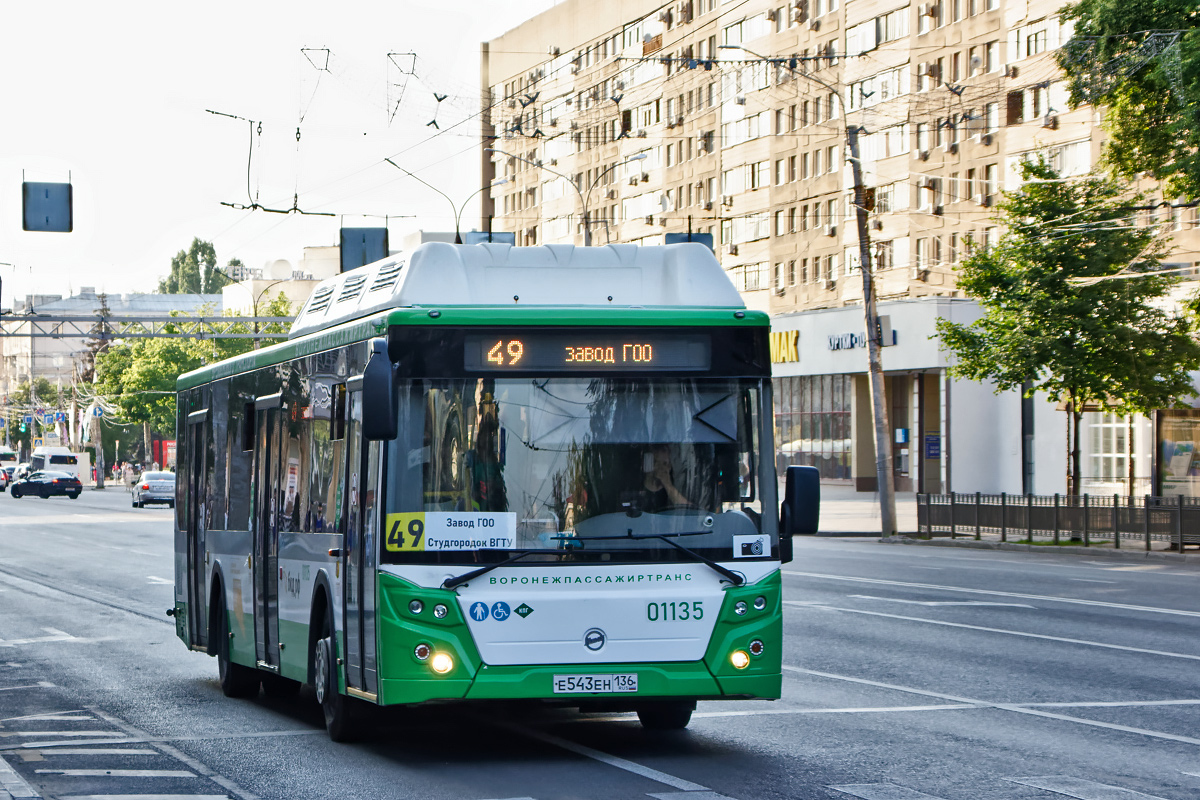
883	442
583	197
456	209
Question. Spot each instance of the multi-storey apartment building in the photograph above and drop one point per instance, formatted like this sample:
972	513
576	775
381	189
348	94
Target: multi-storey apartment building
732	118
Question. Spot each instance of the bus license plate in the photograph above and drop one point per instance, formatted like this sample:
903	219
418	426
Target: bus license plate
595	684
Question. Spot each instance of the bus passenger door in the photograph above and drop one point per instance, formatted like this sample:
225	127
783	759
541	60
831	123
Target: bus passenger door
265	562
196	526
358	548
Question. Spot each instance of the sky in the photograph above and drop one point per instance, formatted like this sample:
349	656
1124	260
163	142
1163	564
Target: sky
115	97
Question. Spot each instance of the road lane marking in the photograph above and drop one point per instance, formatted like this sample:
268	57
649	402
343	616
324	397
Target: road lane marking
225	783
882	791
936	603
604	758
119	773
774	712
688	796
1005	631
159	581
63	733
98	751
1015	708
55	636
1082	789
56	716
144	797
993	593
38	685
12	783
1089	580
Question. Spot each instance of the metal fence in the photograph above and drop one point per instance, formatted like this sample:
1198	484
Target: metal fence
1116	520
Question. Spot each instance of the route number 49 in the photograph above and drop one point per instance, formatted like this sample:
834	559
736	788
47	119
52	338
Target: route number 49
406	532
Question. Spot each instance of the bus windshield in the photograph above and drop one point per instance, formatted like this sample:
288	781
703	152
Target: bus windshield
603	468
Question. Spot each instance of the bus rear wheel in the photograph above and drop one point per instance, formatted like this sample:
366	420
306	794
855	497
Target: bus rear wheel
343	715
236	680
666	715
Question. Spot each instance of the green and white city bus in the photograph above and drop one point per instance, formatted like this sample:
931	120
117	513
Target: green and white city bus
485	472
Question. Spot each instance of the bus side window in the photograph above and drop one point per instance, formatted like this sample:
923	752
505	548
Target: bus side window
248	426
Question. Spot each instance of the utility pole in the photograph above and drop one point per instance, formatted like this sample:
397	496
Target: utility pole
883	441
875	378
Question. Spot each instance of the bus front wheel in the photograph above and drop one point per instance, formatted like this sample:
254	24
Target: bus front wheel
666	715
342	717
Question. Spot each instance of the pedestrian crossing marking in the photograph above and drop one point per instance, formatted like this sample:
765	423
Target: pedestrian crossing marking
144	797
688	796
13	784
95	751
1082	789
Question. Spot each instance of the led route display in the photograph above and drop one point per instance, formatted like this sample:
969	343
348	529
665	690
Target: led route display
563	352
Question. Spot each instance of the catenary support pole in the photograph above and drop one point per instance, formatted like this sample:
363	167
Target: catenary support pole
883	440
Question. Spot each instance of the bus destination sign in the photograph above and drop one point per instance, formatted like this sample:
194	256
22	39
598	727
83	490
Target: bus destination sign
567	352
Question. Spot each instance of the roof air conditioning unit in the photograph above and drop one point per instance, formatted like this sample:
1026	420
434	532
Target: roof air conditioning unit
923	155
662	221
1010	72
552	50
740	100
830	284
554	162
919	274
574	126
670	124
611	194
938	211
512	103
633	181
665	16
831	230
1050	121
679	120
554	123
923	70
641	134
727	200
797	15
619	85
877	224
930	9
708	205
985	138
952	148
650	220
733	250
985	200
574	69
814	24
772	15
645	177
699	184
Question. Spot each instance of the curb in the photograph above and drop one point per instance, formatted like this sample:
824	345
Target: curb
1125	554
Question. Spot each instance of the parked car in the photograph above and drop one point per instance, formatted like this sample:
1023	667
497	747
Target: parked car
47	484
154	487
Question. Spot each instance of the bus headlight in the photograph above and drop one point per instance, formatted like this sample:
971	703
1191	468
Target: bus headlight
760	603
740	659
416	606
739	608
442	663
440	611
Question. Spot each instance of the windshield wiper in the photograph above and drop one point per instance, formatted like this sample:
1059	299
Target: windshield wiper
454	583
733	577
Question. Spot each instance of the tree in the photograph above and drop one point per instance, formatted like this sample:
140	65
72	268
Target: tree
1117	59
1053	319
195	271
138	375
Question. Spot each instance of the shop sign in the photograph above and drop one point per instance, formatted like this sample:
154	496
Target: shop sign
849	341
785	347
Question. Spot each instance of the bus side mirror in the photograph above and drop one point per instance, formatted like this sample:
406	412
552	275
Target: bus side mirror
801	509
380	399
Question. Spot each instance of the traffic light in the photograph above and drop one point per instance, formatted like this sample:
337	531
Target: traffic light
22	426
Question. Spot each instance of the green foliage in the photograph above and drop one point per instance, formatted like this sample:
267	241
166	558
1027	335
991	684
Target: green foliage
1107	341
138	375
1153	109
195	271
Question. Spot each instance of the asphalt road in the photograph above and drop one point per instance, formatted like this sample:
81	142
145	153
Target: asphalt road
911	674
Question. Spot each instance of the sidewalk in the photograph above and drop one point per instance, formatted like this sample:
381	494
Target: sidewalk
845	512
